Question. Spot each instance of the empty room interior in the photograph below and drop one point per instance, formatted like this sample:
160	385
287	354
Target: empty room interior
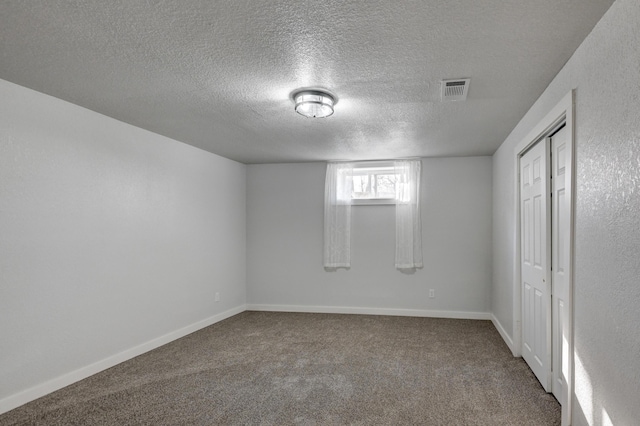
280	212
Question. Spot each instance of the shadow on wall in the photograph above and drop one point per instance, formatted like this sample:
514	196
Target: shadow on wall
330	269
408	271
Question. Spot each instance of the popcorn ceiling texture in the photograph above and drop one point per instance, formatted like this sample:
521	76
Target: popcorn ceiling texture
311	369
219	75
605	73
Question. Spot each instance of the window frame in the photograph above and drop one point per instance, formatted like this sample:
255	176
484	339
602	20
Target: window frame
372	165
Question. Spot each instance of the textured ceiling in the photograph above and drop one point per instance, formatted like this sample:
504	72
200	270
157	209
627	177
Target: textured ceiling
219	74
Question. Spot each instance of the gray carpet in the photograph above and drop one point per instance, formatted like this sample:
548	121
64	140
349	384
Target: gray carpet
310	369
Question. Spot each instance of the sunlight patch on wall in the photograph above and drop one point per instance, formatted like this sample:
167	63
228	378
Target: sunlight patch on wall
606	420
583	390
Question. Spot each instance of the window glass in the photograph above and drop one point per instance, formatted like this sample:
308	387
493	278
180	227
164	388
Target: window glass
386	185
376	183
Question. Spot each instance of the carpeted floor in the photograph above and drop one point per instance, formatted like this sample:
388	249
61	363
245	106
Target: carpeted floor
310	369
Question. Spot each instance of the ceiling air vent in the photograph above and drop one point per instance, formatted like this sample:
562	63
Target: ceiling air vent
455	90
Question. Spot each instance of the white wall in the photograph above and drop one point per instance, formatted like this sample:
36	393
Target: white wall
605	71
285	237
111	236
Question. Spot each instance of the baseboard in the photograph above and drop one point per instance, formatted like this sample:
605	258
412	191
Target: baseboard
507	339
370	311
28	395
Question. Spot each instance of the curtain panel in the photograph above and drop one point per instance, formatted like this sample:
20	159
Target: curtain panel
408	221
337	215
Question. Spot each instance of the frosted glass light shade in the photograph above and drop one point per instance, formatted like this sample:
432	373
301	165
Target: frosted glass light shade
314	104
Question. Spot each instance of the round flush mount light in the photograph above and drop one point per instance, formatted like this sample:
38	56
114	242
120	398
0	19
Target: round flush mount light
314	103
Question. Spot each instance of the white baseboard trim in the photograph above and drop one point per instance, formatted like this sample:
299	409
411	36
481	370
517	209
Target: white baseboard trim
370	311
507	339
35	392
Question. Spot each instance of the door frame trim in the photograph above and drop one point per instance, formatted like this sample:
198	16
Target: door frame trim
562	112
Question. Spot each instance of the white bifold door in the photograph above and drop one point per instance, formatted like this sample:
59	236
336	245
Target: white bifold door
535	261
545	260
560	261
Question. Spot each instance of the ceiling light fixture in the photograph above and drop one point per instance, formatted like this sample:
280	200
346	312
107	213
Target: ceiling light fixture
314	103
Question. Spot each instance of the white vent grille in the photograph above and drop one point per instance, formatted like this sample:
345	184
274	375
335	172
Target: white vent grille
455	90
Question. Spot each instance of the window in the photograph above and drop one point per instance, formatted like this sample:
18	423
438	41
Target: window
392	182
374	183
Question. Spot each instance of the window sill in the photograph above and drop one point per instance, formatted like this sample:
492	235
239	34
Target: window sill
374	202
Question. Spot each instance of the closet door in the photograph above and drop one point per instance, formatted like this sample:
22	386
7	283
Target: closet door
560	232
535	262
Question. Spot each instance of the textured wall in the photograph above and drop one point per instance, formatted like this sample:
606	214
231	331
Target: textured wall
605	73
111	236
503	234
285	237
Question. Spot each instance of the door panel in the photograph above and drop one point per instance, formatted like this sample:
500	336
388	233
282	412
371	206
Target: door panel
535	262
526	235
538	231
527	328
560	232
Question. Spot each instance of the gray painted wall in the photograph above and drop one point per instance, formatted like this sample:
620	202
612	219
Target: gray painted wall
111	236
605	71
285	237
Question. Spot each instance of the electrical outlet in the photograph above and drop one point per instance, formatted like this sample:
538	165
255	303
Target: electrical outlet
217	296
432	293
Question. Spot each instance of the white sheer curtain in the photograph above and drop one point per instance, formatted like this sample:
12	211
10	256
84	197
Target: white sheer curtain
337	215
408	223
